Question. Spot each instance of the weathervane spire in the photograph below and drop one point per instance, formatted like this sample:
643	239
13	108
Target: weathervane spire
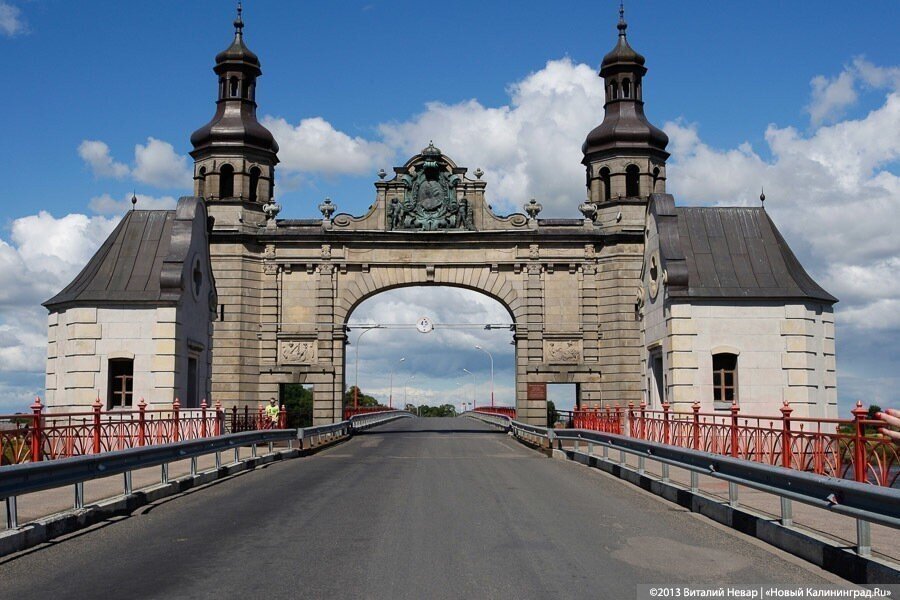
622	26
239	22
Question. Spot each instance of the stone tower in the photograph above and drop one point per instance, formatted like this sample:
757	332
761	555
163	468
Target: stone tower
234	155
625	156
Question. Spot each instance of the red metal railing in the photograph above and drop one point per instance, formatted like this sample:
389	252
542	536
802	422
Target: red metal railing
350	411
506	411
844	448
47	436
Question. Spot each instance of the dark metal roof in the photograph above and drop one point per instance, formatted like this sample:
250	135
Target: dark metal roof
126	268
739	253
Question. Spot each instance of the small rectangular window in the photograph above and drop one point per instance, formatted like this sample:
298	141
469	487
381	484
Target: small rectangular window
120	385
724	379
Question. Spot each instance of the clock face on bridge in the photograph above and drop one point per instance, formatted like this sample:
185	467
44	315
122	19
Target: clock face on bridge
424	325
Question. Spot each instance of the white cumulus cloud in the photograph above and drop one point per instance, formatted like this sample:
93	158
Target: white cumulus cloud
11	22
831	96
314	146
528	148
155	163
96	155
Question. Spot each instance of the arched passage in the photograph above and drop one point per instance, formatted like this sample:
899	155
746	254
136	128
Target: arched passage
398	365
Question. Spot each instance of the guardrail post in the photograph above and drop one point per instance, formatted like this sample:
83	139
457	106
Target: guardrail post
218	460
666	433
193	466
12	513
695	427
176	426
36	431
734	429
142	422
79	495
695	482
786	442
237	454
96	433
203	418
787	512
220	419
164	473
127	481
253	450
863	538
859	443
732	494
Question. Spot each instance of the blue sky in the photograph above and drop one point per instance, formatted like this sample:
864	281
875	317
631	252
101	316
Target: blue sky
100	99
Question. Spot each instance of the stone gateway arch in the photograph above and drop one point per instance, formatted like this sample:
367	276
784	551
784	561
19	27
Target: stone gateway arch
636	300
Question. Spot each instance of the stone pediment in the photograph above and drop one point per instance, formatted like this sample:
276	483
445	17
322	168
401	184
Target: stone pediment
430	194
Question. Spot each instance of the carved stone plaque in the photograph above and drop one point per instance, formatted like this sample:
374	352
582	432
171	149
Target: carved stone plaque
562	351
298	353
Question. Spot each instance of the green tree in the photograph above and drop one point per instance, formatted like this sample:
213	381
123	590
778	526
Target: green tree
298	402
552	414
361	400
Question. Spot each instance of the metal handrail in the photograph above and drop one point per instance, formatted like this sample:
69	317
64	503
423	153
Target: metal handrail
866	503
859	500
16	480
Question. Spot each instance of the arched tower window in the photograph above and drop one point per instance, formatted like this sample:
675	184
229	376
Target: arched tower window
226	181
254	183
655	189
201	182
604	180
613	90
632	181
234	87
626	88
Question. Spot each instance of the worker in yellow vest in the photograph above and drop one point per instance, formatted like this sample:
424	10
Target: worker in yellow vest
272	412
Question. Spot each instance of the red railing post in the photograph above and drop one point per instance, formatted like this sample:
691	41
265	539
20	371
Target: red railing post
786	442
176	409
36	429
666	433
734	428
860	463
220	418
142	422
628	429
203	418
282	418
642	432
261	421
97	406
695	427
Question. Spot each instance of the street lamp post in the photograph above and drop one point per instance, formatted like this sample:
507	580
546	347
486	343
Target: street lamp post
474	387
405	386
492	372
391	394
356	386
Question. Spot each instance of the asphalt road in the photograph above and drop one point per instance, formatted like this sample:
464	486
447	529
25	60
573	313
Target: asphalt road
420	508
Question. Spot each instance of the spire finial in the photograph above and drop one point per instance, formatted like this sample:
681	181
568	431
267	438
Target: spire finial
762	196
239	22
622	26
133	199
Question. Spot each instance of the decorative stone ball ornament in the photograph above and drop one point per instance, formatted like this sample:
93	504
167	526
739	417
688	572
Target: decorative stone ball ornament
589	210
327	209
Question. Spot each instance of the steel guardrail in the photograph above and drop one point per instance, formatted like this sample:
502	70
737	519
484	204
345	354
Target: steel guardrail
873	503
876	504
16	480
362	422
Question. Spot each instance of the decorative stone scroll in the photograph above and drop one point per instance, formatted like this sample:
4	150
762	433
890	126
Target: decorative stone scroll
562	351
298	353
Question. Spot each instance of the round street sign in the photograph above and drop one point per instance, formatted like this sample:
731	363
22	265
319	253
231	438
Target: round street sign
424	325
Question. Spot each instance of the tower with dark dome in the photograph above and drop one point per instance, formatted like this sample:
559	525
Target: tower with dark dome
625	156
234	155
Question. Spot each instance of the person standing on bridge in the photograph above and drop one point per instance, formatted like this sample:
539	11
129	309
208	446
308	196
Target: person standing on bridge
272	412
